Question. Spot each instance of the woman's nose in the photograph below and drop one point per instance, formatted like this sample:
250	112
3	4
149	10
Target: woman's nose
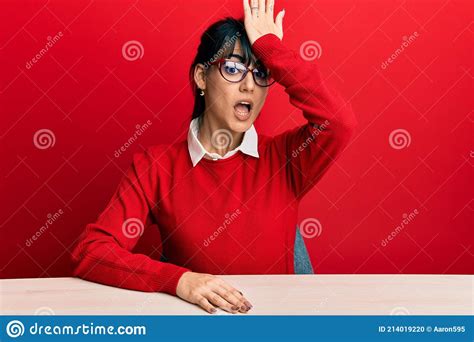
248	82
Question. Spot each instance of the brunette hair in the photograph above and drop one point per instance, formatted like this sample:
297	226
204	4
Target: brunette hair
218	41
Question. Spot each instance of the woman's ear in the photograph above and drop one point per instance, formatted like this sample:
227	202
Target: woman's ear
200	76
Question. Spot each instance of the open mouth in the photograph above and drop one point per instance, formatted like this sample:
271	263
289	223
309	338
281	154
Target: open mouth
243	109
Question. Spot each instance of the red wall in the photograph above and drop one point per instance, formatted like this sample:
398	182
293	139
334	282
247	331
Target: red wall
92	98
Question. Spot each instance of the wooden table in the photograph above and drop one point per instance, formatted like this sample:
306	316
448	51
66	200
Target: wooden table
269	294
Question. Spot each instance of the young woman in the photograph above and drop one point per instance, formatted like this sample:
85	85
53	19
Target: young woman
225	200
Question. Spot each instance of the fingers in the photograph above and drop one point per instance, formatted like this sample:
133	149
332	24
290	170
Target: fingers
247	8
244	300
209	292
254	7
220	302
261	7
204	303
237	304
224	299
269	9
279	20
233	296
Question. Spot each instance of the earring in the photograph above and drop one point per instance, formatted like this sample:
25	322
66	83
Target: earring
201	93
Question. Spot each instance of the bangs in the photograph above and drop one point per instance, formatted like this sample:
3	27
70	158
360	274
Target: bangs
218	41
246	50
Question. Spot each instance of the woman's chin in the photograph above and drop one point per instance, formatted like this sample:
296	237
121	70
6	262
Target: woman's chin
241	126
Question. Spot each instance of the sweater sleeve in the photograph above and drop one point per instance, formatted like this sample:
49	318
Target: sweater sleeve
103	253
306	151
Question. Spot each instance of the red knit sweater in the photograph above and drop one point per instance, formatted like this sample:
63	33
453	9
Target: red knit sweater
231	216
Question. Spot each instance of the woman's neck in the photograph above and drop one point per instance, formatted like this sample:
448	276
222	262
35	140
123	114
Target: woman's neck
224	139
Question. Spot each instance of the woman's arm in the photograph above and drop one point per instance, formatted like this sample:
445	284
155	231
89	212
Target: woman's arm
311	148
103	253
308	150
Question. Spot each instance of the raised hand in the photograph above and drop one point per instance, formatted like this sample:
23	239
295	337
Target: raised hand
259	19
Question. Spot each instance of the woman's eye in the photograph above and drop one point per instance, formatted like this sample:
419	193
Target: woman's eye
260	74
231	70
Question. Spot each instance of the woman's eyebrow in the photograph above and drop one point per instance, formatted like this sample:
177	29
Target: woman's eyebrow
237	56
241	58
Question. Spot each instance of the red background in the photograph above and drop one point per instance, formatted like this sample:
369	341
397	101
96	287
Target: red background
84	91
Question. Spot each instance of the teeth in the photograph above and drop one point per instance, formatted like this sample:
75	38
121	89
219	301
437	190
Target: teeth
249	106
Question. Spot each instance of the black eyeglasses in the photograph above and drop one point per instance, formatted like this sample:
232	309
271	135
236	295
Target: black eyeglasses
235	72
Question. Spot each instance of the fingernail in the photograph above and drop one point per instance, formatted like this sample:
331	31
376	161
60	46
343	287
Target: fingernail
248	305
213	311
234	308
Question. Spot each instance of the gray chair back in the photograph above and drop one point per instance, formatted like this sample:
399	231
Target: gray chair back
302	261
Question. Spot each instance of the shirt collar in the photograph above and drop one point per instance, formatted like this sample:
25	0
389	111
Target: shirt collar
248	146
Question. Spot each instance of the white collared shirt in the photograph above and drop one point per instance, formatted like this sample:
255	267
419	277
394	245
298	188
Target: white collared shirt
248	146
